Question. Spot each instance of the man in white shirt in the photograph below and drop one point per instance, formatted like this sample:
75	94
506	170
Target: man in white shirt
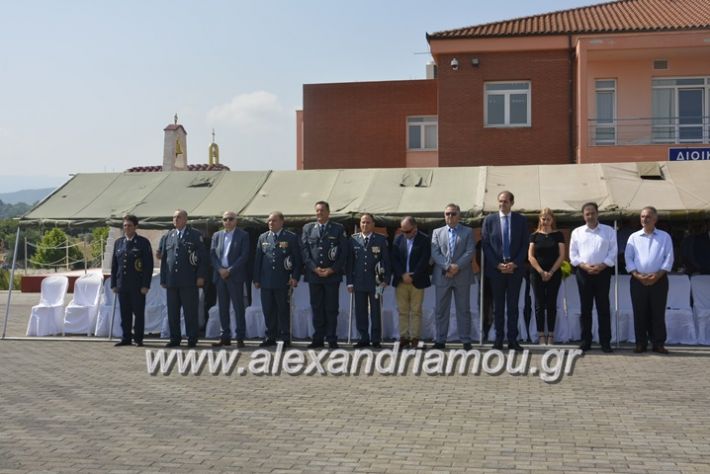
593	250
649	257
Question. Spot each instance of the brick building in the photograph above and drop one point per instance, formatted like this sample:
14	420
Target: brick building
620	81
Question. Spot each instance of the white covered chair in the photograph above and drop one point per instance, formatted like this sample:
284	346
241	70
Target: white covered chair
700	288
156	310
680	326
254	315
301	313
428	326
625	311
103	321
82	311
46	318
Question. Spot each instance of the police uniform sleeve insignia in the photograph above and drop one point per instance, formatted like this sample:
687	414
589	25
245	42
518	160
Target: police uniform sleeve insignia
333	253
288	263
192	255
138	265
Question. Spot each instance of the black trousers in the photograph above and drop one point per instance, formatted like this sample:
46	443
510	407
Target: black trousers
276	307
325	307
506	292
594	289
545	300
649	304
132	303
187	298
362	321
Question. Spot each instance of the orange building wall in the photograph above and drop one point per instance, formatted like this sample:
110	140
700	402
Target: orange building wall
362	125
463	139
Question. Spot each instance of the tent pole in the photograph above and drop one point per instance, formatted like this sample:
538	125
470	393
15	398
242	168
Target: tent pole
616	286
481	305
11	282
26	258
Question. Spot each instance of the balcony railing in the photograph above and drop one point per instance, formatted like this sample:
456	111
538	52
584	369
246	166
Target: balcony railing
649	131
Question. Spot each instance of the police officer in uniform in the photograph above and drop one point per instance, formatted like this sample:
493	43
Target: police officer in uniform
368	274
131	272
277	269
183	269
325	248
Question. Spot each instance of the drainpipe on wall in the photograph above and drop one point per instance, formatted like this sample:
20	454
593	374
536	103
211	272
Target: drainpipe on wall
570	80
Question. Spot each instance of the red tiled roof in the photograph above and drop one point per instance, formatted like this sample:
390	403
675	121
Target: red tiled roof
613	17
195	167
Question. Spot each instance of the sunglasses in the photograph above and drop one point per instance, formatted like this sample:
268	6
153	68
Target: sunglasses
449	214
225	219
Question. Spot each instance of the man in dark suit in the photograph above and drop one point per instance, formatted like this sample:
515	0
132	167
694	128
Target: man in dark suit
325	247
131	272
183	269
368	274
277	269
452	252
505	245
410	268
229	253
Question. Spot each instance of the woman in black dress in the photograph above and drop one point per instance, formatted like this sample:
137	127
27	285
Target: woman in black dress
546	253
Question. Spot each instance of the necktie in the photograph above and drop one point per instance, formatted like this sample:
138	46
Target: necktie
322	230
506	239
452	242
367	240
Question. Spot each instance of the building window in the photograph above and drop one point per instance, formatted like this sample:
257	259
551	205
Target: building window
507	104
680	108
422	133
605	123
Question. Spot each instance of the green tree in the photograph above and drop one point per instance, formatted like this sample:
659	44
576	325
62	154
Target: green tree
98	240
51	251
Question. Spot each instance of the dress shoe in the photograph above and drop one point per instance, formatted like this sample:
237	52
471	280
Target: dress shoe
172	344
377	345
607	349
139	343
122	343
414	343
639	349
333	345
467	346
360	344
192	344
240	344
403	343
585	346
439	345
498	345
287	343
268	343
514	346
315	345
660	350
222	342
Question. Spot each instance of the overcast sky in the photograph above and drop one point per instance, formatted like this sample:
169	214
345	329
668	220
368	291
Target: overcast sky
88	86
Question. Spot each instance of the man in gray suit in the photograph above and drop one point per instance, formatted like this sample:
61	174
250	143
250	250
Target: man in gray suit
229	254
452	251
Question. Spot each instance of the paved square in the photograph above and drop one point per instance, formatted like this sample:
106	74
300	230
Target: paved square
70	406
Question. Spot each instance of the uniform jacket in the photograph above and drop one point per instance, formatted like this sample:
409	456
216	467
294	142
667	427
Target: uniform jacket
327	251
238	255
368	266
132	264
418	260
183	260
493	242
463	255
277	260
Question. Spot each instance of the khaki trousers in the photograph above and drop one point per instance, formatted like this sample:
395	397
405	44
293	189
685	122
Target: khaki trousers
409	302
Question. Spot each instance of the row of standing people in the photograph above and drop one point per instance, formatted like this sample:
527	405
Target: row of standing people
326	254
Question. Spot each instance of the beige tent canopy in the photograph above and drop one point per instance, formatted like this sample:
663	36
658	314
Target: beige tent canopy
677	189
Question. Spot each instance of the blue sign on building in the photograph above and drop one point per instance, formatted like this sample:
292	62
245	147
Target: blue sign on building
689	154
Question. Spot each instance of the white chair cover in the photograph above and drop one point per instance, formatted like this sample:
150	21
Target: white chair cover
82	311
103	321
700	289
156	309
46	317
301	313
625	311
680	325
254	315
